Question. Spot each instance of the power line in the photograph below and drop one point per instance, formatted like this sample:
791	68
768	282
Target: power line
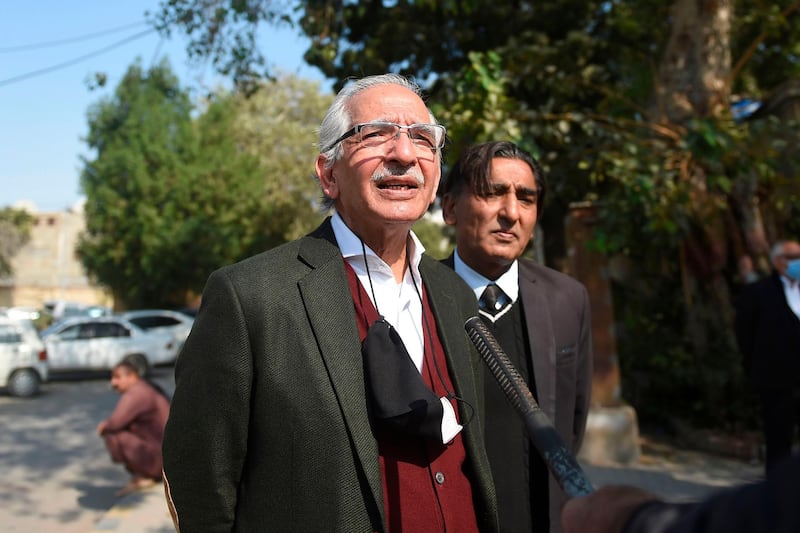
9	81
34	46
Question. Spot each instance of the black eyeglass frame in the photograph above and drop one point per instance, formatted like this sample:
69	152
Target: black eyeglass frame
358	127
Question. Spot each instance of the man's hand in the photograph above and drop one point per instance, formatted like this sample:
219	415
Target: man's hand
101	427
604	511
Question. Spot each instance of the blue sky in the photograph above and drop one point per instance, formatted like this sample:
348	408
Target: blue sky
43	116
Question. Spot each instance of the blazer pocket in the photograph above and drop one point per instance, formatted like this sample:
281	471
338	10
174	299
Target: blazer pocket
565	355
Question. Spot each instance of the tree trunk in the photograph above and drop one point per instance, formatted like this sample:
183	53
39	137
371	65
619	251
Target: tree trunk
694	70
693	84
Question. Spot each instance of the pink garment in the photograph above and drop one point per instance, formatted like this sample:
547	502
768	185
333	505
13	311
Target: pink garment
135	429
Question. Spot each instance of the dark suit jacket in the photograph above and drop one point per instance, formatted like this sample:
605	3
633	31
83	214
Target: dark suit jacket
558	321
768	333
268	428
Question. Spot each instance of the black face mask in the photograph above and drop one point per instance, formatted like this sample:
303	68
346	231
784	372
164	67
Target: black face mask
398	398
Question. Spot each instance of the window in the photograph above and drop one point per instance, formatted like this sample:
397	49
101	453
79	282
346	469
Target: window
70	333
154	321
9	334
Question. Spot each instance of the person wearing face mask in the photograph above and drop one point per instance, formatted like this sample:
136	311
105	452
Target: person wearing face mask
768	332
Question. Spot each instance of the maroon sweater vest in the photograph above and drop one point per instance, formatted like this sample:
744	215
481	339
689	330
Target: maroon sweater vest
425	486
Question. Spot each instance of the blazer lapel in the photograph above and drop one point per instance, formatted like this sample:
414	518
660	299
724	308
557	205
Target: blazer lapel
543	348
328	302
450	330
465	368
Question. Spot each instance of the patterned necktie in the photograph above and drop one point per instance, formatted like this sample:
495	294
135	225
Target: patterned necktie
490	299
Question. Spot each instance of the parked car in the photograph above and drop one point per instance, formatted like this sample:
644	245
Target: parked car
152	320
23	358
61	309
22	313
86	343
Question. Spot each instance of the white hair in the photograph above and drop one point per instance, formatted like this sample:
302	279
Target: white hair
777	249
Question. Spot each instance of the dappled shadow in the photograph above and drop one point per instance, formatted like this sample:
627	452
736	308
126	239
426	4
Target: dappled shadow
99	496
47	433
54	468
676	474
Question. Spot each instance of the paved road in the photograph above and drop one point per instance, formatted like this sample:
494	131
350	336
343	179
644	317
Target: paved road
673	473
676	474
56	476
55	473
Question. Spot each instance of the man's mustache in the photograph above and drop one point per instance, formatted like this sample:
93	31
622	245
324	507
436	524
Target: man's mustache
390	172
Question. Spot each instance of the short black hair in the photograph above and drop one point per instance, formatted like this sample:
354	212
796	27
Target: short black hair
127	365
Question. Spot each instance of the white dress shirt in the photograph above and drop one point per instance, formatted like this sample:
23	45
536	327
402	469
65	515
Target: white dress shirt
792	291
399	303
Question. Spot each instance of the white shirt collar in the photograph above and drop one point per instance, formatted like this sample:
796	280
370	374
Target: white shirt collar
508	282
350	244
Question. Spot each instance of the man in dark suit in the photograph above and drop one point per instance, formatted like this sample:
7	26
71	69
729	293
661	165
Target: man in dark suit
768	332
328	384
493	196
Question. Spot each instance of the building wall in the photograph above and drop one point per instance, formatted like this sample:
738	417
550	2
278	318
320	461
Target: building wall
47	267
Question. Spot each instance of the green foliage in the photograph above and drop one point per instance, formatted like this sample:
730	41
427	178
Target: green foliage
15	232
477	108
224	32
277	126
171	198
662	373
576	83
435	237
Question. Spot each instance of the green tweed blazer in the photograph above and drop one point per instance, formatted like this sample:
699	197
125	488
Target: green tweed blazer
268	429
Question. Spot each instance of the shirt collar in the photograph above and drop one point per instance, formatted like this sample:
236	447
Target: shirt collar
350	244
508	281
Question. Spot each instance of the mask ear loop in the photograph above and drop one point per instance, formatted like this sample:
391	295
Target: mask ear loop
369	278
427	328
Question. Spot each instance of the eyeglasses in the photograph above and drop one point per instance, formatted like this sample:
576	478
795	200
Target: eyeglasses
427	136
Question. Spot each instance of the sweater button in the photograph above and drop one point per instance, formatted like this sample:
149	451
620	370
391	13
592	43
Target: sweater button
439	477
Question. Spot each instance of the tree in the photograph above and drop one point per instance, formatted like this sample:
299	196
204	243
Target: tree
624	109
224	32
277	126
15	232
151	216
171	197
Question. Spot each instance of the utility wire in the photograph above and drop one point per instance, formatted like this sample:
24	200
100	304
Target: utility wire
9	81
24	47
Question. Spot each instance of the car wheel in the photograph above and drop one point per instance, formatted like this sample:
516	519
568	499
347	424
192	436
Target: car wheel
23	383
140	362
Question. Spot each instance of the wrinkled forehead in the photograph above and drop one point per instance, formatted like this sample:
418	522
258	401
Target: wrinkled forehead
791	249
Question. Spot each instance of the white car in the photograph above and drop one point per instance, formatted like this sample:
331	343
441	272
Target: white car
23	358
86	343
164	320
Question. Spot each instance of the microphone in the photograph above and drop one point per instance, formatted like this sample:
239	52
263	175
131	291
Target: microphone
562	465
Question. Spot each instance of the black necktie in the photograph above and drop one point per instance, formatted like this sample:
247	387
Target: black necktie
490	298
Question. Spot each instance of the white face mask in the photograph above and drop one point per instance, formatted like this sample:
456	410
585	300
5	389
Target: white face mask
793	269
